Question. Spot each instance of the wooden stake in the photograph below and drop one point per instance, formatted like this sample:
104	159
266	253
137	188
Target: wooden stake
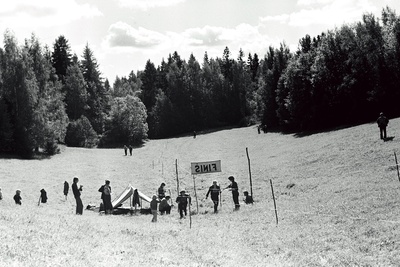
273	197
251	184
195	194
177	179
397	166
190	213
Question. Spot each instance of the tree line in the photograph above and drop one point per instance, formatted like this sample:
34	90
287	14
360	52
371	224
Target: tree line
344	76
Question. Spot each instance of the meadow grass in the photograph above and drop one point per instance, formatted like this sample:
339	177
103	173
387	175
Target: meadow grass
337	198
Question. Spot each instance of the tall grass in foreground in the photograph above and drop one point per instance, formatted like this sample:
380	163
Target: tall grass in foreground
337	199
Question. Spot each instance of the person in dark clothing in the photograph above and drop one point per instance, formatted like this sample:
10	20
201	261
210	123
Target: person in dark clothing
1	195
247	198
17	197
164	206
43	196
106	197
382	122
77	194
183	200
130	150
66	189
215	191
194	134
126	150
161	191
235	191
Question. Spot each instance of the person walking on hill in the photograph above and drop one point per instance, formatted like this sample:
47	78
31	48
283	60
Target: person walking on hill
17	197
153	206
43	196
106	197
130	149
1	195
183	200
382	122
235	191
126	150
77	194
66	189
215	191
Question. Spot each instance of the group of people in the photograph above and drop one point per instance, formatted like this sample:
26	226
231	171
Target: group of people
18	199
184	199
126	150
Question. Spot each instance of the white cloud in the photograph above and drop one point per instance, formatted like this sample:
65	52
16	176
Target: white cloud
147	4
324	12
44	13
121	34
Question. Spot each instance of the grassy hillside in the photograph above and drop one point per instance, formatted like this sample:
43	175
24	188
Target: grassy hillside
337	199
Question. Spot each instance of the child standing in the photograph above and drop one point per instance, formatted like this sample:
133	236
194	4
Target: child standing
153	206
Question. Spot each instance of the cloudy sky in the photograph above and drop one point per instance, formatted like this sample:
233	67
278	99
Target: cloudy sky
124	34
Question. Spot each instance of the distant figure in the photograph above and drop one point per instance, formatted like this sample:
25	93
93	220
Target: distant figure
1	195
215	191
106	197
161	191
183	200
153	206
130	150
165	207
194	134
66	189
136	200
247	198
235	191
43	196
126	150
17	197
382	122
77	194
259	129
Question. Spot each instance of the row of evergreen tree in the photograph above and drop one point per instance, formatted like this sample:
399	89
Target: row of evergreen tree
343	76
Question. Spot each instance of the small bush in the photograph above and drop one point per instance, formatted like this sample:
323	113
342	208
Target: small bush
80	133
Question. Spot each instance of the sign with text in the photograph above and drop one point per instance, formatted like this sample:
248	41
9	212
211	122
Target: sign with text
206	167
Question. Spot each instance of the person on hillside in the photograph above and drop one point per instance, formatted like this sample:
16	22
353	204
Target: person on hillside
1	195
153	206
43	196
247	198
165	207
66	189
235	191
215	191
106	197
183	201
126	150
382	122
17	197
130	150
194	134
161	191
77	194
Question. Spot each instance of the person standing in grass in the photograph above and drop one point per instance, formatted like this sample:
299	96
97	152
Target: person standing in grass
66	189
17	197
130	149
161	191
1	195
77	194
183	200
235	191
43	196
153	206
382	122
126	150
106	197
215	190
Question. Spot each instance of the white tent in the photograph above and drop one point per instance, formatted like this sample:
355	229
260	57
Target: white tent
126	194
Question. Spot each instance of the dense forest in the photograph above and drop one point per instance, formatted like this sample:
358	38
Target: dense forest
344	76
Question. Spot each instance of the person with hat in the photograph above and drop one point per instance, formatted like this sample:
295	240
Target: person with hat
165	207
106	197
382	122
235	191
153	206
215	191
161	191
183	200
77	194
17	197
